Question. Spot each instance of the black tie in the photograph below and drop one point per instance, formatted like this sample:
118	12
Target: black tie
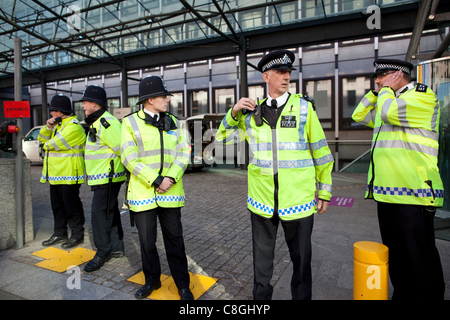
274	103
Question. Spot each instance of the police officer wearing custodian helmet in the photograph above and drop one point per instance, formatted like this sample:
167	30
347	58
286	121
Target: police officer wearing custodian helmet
63	138
156	154
105	175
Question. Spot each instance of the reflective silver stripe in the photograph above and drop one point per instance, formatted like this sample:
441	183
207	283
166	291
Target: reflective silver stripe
139	166
100	156
54	145
408	146
137	133
435	115
130	157
424	133
325	159
325	187
92	147
62	155
63	140
182	165
44	137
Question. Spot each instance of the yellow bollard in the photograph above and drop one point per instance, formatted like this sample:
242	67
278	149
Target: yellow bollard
370	271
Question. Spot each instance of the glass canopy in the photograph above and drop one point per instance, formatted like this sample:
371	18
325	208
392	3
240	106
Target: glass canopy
61	32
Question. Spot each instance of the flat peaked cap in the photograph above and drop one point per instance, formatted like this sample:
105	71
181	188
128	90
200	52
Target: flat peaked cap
152	86
383	65
280	59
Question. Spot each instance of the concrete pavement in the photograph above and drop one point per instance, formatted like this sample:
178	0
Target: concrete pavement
218	244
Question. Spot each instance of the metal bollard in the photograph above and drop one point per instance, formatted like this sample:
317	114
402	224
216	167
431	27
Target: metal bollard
370	271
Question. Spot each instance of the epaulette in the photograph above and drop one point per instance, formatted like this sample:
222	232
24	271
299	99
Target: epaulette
130	114
420	87
104	123
304	96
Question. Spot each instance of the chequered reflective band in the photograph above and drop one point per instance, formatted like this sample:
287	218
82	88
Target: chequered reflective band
395	191
63	178
297	209
105	175
283	60
159	198
391	66
259	205
282	212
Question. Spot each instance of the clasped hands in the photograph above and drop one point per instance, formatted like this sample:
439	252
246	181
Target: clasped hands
165	185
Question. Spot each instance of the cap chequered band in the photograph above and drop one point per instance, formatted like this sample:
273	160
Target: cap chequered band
392	66
283	60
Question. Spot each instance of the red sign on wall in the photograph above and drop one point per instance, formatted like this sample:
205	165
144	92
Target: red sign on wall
16	109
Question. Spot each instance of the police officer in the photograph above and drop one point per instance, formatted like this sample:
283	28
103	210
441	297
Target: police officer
105	175
281	131
404	178
63	138
156	154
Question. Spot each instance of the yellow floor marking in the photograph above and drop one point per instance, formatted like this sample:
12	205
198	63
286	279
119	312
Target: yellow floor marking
59	260
169	291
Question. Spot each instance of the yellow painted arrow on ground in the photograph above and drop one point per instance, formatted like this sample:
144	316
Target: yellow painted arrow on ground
60	260
199	285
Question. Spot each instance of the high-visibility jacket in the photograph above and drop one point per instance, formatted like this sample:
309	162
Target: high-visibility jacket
64	152
102	147
147	153
282	174
405	146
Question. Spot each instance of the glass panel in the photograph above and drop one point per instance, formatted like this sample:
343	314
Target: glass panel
224	99
255	92
353	90
176	104
320	91
199	102
112	104
79	110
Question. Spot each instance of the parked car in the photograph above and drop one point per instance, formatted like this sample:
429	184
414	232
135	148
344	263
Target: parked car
31	147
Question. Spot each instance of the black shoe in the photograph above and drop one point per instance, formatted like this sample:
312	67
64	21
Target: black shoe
96	263
146	290
118	254
53	240
186	294
72	243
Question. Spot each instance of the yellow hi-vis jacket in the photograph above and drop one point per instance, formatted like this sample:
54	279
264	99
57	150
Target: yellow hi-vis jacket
102	148
64	151
282	175
148	153
405	146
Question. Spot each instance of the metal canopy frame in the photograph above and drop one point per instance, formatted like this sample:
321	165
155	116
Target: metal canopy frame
86	44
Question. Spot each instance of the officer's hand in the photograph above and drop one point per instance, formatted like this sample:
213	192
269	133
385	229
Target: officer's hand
165	185
243	103
394	80
322	206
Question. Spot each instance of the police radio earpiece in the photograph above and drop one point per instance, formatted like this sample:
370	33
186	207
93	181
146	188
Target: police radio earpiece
258	114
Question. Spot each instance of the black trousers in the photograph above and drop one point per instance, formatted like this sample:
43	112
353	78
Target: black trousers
67	210
172	231
298	238
414	263
107	232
